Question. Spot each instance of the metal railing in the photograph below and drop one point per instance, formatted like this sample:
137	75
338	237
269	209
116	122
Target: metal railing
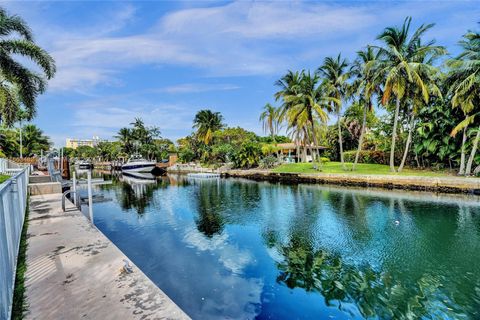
13	203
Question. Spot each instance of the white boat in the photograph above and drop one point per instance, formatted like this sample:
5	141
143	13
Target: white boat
83	164
137	163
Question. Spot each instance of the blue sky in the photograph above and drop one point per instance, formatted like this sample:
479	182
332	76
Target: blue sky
164	60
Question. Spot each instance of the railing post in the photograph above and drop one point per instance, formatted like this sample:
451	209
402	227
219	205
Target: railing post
74	187
90	200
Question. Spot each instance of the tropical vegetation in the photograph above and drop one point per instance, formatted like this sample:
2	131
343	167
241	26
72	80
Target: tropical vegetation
20	85
401	102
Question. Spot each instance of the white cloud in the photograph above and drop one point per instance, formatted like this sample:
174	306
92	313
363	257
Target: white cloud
238	38
197	88
268	19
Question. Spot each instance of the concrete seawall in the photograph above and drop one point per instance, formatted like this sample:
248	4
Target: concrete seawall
432	184
75	272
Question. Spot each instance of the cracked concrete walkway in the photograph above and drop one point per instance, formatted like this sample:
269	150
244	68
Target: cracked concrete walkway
75	272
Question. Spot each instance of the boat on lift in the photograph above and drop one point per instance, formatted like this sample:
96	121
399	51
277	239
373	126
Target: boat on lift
137	163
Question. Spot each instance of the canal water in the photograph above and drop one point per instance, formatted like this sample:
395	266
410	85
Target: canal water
238	249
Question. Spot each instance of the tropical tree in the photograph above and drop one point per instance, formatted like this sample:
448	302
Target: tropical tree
270	119
464	77
334	71
124	135
309	104
365	86
19	85
401	64
34	141
305	100
207	122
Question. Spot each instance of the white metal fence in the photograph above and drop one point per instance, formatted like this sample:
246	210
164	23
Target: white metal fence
13	203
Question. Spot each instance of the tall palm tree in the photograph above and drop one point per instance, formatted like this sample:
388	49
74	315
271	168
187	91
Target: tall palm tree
415	101
334	71
364	86
464	81
207	122
270	119
308	104
399	67
124	135
19	85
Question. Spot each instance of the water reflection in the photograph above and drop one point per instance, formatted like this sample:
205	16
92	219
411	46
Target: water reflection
225	248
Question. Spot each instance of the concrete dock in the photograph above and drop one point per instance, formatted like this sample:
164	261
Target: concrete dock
75	272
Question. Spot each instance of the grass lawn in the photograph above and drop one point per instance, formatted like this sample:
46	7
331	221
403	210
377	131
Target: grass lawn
336	167
3	178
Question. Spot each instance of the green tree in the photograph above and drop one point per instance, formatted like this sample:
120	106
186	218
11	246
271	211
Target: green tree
270	119
19	85
124	135
334	71
400	65
464	80
247	155
365	86
207	122
34	141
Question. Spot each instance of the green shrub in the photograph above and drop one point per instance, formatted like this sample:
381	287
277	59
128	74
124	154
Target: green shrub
247	155
367	156
268	162
324	160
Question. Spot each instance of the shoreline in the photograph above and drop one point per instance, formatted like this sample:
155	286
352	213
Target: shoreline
414	183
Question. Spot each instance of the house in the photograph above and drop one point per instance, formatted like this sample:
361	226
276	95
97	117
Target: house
289	152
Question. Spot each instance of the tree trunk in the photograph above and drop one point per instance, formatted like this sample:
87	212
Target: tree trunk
298	150
360	141
315	142
468	171
407	145
394	136
461	171
340	142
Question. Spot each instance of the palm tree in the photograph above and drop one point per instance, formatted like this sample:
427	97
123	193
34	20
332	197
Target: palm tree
464	80
365	86
416	100
334	70
309	103
34	140
20	86
207	122
270	119
399	67
124	135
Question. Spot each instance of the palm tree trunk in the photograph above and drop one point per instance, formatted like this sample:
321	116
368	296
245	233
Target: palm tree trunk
394	136
461	171
360	141
407	144
468	171
340	142
314	158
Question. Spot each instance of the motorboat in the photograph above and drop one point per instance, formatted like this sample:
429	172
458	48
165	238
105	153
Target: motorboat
83	164
137	163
